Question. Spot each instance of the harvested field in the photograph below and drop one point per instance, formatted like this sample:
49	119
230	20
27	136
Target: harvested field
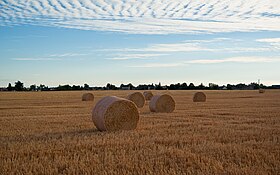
234	132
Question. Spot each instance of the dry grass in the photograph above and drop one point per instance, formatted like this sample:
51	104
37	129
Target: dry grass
234	132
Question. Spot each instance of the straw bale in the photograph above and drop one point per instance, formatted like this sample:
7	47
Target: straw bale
137	98
113	113
148	95
88	97
199	97
162	103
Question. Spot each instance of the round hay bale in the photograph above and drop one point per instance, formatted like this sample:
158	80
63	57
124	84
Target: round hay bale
148	95
88	97
261	91
137	98
162	103
113	113
199	97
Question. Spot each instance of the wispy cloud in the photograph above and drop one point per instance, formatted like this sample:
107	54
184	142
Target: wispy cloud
145	16
235	60
241	60
50	57
135	56
185	46
274	42
269	40
29	36
68	55
36	59
158	65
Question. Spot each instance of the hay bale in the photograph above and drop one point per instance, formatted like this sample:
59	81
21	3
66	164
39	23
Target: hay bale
162	103
88	97
261	91
148	95
137	98
113	113
199	97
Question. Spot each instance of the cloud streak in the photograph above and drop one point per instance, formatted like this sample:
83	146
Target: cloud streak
158	65
274	42
242	60
235	60
135	56
36	59
145	16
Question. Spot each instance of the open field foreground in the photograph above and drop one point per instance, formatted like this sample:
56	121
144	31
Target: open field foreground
234	132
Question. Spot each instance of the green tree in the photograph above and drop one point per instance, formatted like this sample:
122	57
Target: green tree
191	86
213	86
201	86
86	86
19	86
9	88
33	87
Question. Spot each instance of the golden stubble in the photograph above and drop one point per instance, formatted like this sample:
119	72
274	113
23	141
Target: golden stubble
234	132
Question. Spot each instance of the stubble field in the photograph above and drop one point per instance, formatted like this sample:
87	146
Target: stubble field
234	132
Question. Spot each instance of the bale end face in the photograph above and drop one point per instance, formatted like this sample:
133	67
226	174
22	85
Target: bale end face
261	91
88	97
162	103
199	97
137	98
148	95
113	114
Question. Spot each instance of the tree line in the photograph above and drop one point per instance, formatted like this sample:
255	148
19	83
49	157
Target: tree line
19	86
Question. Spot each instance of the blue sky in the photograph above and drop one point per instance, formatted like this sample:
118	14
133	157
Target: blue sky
56	42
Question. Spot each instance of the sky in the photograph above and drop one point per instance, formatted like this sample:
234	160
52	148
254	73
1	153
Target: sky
56	42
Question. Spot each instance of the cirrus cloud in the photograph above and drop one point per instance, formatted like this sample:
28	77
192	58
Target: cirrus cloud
145	16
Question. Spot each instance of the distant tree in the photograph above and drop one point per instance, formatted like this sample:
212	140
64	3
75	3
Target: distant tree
111	87
213	86
201	86
255	85
159	87
142	87
86	87
184	86
9	88
263	86
74	87
42	87
130	86
241	86
64	87
229	86
32	87
19	86
191	86
172	87
108	86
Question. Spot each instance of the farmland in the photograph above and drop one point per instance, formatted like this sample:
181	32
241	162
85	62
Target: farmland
233	132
